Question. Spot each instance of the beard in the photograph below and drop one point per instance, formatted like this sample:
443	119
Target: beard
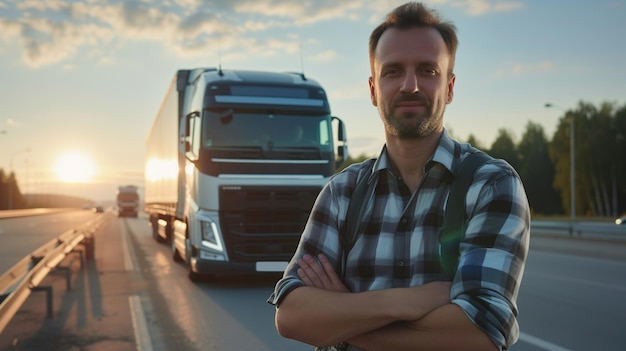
413	125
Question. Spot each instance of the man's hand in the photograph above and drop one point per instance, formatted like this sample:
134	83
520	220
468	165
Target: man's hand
320	275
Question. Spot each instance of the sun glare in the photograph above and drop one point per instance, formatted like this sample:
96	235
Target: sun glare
75	168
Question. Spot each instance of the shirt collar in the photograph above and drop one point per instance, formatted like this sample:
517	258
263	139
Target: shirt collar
445	154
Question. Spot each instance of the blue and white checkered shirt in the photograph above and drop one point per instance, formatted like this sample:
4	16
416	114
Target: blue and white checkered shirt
398	245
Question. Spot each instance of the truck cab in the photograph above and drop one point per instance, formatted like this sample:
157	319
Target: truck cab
254	150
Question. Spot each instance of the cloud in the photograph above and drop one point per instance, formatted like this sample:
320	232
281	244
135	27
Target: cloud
518	69
325	56
483	7
379	9
55	31
58	31
355	91
300	12
11	123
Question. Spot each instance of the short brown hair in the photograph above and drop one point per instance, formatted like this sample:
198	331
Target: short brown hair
415	14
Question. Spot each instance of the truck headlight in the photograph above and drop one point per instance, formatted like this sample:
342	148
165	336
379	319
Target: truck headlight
210	237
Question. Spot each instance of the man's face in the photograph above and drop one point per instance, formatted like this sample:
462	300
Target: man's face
410	83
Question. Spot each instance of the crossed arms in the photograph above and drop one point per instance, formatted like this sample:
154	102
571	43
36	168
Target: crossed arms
324	312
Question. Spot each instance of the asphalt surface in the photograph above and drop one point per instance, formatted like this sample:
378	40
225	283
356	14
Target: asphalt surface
93	315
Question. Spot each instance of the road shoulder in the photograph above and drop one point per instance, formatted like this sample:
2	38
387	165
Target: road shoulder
94	315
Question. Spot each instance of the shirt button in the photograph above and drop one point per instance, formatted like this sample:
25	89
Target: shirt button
404	221
401	263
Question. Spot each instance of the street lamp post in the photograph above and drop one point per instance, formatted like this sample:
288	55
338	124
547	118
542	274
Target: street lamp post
14	178
572	162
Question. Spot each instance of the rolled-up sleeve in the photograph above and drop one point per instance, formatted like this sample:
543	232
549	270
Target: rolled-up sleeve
493	253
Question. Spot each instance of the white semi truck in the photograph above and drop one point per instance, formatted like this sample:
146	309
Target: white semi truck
234	163
127	201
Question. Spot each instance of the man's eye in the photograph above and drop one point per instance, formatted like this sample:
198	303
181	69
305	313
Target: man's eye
429	72
390	72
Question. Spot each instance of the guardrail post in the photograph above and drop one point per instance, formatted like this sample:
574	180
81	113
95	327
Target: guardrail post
48	290
68	276
68	269
90	247
80	253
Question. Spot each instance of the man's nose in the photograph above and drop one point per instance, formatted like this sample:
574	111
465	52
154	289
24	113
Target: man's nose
410	84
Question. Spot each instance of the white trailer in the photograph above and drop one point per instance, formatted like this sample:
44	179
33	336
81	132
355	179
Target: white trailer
234	163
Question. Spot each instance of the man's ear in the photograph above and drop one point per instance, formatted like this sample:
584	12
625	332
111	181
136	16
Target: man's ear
370	81
451	89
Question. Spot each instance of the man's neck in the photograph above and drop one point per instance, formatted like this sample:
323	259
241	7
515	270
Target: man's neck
409	157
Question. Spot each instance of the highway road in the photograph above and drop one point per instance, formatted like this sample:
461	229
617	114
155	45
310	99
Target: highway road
573	297
20	236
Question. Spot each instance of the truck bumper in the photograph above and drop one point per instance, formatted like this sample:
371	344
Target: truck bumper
126	212
209	267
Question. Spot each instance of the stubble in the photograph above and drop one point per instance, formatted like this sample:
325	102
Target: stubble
412	125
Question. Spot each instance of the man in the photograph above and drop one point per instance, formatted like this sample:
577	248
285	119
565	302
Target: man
390	292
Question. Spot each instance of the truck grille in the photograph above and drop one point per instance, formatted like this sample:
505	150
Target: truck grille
264	223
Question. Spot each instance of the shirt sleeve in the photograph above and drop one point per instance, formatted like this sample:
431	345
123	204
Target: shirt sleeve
493	252
320	235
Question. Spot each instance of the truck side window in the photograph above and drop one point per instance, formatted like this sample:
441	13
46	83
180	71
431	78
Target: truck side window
194	134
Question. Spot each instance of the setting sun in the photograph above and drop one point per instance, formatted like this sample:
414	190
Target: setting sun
74	168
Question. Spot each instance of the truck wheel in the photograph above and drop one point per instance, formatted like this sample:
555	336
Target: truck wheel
175	254
154	223
193	276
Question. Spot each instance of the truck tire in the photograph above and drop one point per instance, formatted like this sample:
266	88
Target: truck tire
154	223
175	254
193	276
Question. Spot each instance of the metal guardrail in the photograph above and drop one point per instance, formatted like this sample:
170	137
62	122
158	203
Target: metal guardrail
32	212
24	277
591	230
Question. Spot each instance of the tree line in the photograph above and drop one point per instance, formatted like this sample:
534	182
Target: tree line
11	198
10	195
544	164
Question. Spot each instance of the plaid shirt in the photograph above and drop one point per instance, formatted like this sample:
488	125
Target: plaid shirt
398	244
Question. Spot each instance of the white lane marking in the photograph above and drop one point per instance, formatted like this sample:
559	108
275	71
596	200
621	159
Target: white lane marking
129	262
546	345
142	338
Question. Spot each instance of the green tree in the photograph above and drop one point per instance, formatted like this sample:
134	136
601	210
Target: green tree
350	160
619	161
598	158
504	147
598	171
537	171
13	198
4	191
475	142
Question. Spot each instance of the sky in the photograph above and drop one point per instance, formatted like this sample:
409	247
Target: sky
81	81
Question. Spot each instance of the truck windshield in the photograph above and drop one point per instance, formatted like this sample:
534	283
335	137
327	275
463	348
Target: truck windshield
269	131
127	196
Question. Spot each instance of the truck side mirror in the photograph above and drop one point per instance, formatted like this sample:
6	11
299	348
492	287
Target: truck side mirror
185	135
341	129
